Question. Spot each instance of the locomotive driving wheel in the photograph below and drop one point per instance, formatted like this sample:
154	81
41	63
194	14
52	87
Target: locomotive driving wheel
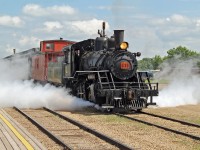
93	95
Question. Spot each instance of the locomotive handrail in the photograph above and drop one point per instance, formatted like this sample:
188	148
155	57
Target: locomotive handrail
118	85
95	71
86	72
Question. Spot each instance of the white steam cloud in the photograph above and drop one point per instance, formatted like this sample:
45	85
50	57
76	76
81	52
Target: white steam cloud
15	90
17	69
183	87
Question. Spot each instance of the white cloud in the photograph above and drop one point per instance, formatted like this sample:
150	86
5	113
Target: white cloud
159	21
144	32
51	26
37	10
116	7
179	19
71	30
174	19
11	21
198	23
29	41
103	7
155	35
88	27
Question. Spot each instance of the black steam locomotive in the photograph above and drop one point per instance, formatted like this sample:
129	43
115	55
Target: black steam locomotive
103	71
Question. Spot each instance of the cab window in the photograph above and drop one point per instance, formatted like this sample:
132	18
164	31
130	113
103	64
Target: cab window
49	46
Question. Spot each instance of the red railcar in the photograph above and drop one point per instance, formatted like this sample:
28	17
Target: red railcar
49	53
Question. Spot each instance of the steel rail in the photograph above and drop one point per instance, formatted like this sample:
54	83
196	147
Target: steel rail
161	127
98	134
171	119
51	135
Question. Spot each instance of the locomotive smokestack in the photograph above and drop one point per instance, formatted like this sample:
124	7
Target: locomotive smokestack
119	37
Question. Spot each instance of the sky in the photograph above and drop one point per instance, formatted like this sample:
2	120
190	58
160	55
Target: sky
151	26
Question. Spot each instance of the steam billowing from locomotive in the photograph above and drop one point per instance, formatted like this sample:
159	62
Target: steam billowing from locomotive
99	70
183	86
16	90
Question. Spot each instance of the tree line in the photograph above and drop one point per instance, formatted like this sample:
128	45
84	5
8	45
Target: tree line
179	53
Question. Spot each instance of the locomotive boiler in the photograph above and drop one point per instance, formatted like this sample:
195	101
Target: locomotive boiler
103	71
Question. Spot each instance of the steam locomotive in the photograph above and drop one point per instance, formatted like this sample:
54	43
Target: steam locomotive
100	70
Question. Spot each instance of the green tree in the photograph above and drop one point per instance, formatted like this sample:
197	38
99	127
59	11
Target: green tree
181	53
157	61
145	64
150	63
198	64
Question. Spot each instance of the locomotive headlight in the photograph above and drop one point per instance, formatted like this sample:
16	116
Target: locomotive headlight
124	45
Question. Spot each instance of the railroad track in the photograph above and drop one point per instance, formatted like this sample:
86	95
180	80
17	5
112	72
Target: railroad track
172	119
69	133
190	130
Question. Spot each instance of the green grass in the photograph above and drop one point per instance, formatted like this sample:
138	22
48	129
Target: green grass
115	119
197	121
196	146
192	120
112	119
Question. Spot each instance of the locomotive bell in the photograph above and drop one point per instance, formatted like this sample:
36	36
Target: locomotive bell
119	38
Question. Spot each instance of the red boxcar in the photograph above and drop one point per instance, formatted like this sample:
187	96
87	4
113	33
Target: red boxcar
49	51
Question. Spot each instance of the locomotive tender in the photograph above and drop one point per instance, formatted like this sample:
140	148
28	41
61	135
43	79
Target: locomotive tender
100	70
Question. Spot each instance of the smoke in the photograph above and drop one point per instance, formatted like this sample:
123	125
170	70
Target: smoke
16	91
183	86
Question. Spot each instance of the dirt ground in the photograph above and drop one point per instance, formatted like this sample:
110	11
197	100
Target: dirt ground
142	136
190	113
133	134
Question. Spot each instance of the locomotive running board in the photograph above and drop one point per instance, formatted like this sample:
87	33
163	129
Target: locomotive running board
107	106
151	104
117	98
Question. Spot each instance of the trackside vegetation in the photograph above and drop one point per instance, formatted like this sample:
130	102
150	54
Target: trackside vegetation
179	53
